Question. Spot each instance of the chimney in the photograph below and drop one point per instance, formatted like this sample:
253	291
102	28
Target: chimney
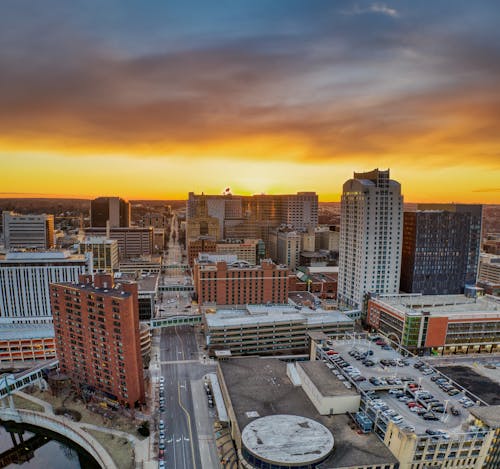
102	280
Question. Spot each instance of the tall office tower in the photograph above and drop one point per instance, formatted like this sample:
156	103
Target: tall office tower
104	252
114	209
28	231
97	335
370	237
25	278
441	245
202	224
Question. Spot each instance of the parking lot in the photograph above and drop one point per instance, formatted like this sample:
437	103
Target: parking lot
400	373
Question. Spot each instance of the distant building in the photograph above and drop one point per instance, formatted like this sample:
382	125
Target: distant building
112	209
491	245
28	231
445	324
370	236
489	273
249	250
25	278
104	253
285	246
441	245
201	244
202	224
98	340
132	242
238	283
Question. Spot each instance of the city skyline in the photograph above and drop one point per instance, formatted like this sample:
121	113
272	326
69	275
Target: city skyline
265	97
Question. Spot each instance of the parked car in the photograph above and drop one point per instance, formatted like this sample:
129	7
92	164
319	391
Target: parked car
430	416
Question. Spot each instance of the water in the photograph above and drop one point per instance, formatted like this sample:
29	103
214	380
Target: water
54	454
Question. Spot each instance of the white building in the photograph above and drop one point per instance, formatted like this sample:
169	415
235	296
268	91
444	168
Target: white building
489	269
25	278
288	247
370	236
28	231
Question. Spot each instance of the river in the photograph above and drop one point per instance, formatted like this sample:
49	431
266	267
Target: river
54	452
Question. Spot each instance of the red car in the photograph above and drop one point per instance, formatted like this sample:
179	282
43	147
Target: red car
332	352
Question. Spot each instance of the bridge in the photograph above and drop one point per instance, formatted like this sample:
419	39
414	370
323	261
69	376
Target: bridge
176	287
65	428
10	382
172	321
176	266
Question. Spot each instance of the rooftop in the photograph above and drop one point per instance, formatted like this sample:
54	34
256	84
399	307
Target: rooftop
259	387
323	379
113	292
42	256
26	331
287	439
145	283
489	415
441	305
258	314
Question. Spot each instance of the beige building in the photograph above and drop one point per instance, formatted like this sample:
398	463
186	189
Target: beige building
28	231
202	224
489	269
244	250
104	253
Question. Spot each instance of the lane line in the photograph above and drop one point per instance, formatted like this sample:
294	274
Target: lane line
189	425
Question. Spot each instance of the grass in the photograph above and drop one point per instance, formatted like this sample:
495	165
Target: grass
22	403
119	448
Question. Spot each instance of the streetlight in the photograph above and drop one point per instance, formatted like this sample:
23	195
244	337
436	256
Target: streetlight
445	408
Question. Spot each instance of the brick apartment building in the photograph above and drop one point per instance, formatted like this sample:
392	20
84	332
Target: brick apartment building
97	336
239	283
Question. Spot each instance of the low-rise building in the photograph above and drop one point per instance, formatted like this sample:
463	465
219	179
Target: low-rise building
445	324
239	283
28	231
104	252
26	342
262	329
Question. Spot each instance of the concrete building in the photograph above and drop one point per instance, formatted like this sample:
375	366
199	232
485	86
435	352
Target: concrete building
133	242
26	342
104	252
262	329
267	401
28	231
25	278
248	250
489	269
443	324
202	244
370	236
112	209
285	247
202	223
98	341
239	283
441	246
328	238
147	290
491	244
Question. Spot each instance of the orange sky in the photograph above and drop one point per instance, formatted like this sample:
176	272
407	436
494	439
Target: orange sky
157	100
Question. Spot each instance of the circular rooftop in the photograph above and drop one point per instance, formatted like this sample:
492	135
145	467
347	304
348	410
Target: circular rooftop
287	440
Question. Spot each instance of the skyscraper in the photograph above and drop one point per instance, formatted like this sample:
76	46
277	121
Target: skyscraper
370	236
28	231
114	209
441	245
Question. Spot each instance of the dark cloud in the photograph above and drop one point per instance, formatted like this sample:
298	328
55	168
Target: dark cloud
357	85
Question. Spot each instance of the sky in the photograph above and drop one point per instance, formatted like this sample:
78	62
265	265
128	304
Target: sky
153	99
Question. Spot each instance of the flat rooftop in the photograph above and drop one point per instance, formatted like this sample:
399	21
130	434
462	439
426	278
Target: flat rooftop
326	383
489	415
261	314
41	256
26	331
439	305
114	292
145	283
259	387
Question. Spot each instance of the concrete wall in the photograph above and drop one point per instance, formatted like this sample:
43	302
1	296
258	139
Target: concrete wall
327	405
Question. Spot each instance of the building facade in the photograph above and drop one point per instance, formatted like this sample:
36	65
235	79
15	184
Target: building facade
489	269
28	231
26	342
132	242
98	340
104	253
25	278
370	236
112	209
239	283
443	324
440	248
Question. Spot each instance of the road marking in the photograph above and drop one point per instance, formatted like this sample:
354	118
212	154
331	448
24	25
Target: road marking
189	425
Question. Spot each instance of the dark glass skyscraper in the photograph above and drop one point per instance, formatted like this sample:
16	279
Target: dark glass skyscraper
441	245
114	209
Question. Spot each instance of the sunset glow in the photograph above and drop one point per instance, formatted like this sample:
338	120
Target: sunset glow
159	99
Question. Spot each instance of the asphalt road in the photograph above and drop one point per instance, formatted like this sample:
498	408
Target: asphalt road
183	366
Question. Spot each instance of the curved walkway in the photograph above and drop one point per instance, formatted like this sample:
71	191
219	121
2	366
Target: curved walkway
141	447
